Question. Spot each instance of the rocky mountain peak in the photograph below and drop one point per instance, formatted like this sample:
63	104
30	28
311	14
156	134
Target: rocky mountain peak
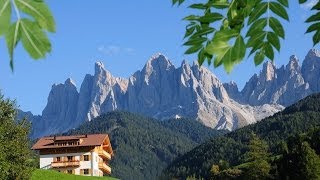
313	53
268	71
98	66
293	64
158	61
70	82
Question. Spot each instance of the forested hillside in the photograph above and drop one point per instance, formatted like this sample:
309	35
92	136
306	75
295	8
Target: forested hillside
296	119
143	146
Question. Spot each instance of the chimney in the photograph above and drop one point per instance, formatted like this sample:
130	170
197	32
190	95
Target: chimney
54	138
86	135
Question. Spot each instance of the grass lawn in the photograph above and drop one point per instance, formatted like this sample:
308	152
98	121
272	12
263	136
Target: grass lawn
39	174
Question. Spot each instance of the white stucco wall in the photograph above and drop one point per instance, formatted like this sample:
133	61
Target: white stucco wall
46	160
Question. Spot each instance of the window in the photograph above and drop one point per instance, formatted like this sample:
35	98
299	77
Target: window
69	171
58	159
86	157
86	171
70	158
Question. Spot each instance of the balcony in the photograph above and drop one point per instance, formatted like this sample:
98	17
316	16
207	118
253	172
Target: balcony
104	154
62	164
105	168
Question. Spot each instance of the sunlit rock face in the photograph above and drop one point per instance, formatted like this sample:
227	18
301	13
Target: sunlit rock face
163	91
285	85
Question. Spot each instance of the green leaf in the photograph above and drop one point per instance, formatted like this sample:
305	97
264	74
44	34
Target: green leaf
38	10
316	38
256	47
302	1
258	58
316	6
257	12
257	27
211	17
198	6
189	31
269	51
225	35
191	18
5	16
279	10
227	61
259	37
204	31
276	27
12	38
174	2
34	40
218	60
201	56
284	2
273	40
195	41
239	49
194	49
222	4
315	17
180	1
313	27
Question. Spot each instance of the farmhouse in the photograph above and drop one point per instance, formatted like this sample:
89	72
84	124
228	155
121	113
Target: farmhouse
86	155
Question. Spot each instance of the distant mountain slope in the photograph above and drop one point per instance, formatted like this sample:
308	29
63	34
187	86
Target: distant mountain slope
296	119
143	146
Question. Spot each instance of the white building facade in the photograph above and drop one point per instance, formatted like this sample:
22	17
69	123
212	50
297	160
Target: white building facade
86	155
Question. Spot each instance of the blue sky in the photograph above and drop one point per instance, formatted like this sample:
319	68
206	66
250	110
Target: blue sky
123	35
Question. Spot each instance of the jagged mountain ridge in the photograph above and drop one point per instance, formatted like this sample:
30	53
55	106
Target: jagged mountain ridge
285	85
162	91
159	90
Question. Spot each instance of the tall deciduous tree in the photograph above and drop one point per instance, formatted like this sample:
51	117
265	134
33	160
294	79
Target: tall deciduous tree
14	143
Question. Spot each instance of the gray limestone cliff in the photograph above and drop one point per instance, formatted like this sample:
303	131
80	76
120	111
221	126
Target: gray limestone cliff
163	91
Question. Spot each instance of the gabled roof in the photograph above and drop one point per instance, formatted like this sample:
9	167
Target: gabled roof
88	140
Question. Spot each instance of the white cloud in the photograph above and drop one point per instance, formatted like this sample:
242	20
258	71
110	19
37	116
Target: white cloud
112	50
308	5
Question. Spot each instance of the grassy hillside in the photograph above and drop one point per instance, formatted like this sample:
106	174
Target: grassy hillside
143	146
296	119
53	175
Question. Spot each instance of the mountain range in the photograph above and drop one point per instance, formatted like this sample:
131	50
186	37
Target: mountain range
162	91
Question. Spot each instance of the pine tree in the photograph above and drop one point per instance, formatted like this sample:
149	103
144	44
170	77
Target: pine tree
310	162
257	156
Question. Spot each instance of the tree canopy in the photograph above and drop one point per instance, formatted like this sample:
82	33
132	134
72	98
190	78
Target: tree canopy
15	153
227	29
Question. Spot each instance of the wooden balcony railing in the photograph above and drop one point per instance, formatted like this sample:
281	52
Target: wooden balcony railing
105	168
104	154
60	164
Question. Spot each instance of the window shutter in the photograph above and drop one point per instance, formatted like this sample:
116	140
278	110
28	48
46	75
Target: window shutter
73	171
81	171
90	171
89	157
82	158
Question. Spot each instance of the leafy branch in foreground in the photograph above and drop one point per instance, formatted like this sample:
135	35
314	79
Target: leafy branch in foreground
227	29
31	29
